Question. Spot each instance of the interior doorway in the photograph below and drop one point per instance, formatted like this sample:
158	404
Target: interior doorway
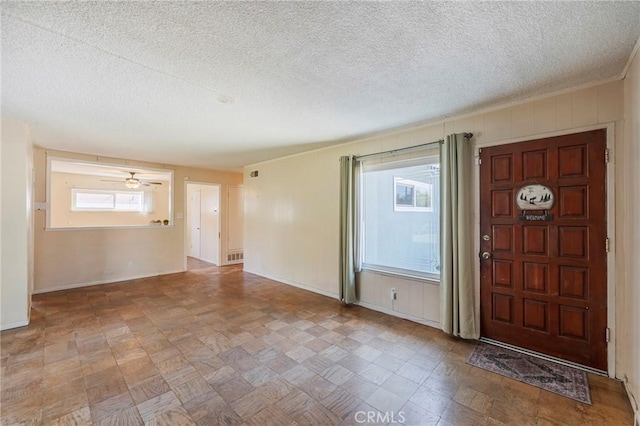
203	222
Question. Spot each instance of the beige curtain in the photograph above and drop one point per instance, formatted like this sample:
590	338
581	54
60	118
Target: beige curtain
457	305
347	230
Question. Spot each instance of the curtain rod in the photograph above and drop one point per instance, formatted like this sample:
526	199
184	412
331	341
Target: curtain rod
399	150
407	149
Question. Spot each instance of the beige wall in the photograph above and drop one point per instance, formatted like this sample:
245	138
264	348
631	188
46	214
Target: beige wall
629	232
72	258
16	258
62	216
291	208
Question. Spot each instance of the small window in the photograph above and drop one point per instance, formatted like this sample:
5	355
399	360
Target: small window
117	201
412	196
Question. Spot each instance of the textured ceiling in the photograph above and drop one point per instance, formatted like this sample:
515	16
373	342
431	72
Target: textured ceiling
224	84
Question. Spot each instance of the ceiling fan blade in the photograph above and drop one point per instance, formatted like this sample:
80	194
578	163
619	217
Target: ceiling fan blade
109	180
152	183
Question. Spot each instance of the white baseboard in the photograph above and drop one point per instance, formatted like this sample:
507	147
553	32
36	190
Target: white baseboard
100	282
295	284
633	401
14	325
402	315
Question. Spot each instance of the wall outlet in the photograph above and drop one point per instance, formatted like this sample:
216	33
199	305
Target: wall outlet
394	294
130	264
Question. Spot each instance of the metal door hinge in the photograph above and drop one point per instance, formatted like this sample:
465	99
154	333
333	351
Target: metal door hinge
606	245
607	334
478	161
606	155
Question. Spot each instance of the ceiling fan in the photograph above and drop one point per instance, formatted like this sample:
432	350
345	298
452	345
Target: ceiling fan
133	182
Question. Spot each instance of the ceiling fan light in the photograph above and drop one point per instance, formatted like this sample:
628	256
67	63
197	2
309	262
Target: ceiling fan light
132	183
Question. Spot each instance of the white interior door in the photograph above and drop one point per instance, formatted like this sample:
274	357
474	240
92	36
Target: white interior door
194	223
210	224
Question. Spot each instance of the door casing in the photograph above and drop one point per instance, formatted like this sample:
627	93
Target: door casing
610	207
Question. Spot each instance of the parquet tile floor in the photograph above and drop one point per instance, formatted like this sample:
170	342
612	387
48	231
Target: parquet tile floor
194	264
217	346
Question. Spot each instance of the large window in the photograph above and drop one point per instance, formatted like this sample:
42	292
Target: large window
400	226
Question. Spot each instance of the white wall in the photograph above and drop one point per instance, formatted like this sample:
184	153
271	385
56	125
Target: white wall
291	220
629	316
73	258
235	220
291	211
16	276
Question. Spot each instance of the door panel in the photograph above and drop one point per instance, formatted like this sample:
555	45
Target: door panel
209	220
544	286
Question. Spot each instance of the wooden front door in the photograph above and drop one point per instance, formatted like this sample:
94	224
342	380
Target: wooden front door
544	282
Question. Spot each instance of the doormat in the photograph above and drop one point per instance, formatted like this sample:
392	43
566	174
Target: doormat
547	375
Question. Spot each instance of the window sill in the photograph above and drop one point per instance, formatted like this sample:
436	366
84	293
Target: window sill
407	276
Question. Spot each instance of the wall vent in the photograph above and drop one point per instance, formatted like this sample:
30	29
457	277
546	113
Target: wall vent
235	257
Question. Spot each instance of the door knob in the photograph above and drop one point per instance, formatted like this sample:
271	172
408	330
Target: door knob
485	255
